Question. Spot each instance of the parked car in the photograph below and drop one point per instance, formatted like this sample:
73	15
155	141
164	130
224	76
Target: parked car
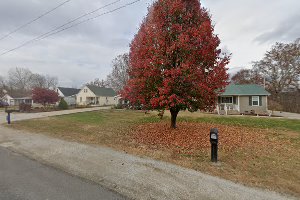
3	104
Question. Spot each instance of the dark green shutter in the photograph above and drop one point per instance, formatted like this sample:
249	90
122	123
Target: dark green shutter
260	100
234	100
219	99
250	100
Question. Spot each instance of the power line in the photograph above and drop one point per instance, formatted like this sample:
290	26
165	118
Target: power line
73	20
33	20
58	29
88	19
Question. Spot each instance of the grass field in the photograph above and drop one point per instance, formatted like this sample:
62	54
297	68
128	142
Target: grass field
261	152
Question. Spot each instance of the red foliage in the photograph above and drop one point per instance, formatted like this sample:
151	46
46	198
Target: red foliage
193	137
44	96
175	62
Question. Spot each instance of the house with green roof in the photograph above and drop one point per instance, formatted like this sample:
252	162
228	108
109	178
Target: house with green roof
94	95
248	98
69	94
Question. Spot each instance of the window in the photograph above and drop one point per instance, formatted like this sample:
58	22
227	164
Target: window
226	100
85	90
80	99
255	101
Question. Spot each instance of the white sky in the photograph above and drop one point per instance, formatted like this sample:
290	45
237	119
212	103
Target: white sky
247	28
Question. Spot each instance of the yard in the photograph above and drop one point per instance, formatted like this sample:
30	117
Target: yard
261	152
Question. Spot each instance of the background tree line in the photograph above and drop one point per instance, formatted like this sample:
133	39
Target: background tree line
118	77
21	81
279	72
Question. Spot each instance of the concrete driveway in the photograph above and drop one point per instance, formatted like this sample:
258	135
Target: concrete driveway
287	115
23	116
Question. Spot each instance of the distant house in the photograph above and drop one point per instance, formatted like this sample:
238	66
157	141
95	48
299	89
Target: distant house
248	98
17	99
94	95
69	94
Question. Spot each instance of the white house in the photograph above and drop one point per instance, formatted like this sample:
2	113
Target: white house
94	95
69	94
15	100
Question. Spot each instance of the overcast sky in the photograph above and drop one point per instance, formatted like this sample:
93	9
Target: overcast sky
247	28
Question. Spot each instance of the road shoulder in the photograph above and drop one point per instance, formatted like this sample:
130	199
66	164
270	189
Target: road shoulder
132	176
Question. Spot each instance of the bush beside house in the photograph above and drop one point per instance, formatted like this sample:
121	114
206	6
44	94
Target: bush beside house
63	105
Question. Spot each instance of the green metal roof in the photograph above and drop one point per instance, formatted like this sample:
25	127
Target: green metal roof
244	90
101	91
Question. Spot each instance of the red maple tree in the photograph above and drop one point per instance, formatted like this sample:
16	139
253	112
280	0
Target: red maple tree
44	96
175	62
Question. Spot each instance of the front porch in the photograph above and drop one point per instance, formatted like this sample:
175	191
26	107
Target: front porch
228	105
18	101
228	109
92	100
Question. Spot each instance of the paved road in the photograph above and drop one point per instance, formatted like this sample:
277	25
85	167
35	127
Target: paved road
24	116
22	178
132	176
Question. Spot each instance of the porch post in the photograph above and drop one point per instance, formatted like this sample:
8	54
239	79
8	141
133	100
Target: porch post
239	109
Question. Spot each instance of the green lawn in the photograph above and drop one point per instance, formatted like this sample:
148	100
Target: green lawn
270	157
254	122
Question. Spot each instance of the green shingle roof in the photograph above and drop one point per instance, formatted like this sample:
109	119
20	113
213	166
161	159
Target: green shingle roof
100	91
244	90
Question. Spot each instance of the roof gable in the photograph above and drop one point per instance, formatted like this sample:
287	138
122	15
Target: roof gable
68	91
245	90
101	91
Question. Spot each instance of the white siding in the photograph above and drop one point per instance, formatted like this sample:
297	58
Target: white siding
60	94
70	100
84	95
8	99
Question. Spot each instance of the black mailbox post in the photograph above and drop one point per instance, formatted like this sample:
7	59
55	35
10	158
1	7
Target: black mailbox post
8	119
214	137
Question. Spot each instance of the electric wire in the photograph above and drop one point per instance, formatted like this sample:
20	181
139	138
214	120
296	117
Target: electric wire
58	29
33	20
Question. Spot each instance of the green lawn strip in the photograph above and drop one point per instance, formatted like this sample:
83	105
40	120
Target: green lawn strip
109	117
253	122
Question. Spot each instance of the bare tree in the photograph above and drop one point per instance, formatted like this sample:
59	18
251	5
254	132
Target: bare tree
20	79
247	76
281	67
38	81
2	86
51	82
98	82
23	80
118	78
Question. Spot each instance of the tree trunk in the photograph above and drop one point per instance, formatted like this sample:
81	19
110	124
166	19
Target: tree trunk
174	113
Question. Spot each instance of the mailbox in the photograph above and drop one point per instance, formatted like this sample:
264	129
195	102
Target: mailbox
8	119
214	138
